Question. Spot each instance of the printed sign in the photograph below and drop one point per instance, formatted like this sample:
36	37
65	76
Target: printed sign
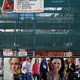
28	6
7	52
22	52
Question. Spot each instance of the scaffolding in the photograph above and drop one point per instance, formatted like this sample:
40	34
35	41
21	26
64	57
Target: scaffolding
56	29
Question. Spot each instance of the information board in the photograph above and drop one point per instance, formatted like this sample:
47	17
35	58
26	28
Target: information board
7	52
22	52
29	6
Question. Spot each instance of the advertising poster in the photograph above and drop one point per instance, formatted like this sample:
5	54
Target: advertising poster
35	68
28	6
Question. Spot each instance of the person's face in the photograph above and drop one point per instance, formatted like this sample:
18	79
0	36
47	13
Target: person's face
36	60
14	65
57	64
29	60
44	59
48	62
69	60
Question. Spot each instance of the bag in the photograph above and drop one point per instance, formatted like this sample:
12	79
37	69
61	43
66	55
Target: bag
19	70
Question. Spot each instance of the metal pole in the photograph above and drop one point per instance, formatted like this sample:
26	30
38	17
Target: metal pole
15	34
69	25
34	36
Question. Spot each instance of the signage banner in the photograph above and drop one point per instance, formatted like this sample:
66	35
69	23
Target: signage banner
22	52
29	6
7	52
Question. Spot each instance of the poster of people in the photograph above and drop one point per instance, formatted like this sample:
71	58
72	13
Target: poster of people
44	68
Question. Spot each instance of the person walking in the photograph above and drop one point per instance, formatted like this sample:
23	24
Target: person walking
36	69
43	69
24	70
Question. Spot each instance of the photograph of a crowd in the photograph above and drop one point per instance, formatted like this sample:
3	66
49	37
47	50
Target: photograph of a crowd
42	68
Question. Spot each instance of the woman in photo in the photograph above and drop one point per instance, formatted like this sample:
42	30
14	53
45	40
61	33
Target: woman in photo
58	72
14	65
36	69
71	69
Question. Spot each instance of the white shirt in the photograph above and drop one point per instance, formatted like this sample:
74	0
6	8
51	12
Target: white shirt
25	64
29	67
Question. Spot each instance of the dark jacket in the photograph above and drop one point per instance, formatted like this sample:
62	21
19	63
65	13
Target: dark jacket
43	67
69	71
